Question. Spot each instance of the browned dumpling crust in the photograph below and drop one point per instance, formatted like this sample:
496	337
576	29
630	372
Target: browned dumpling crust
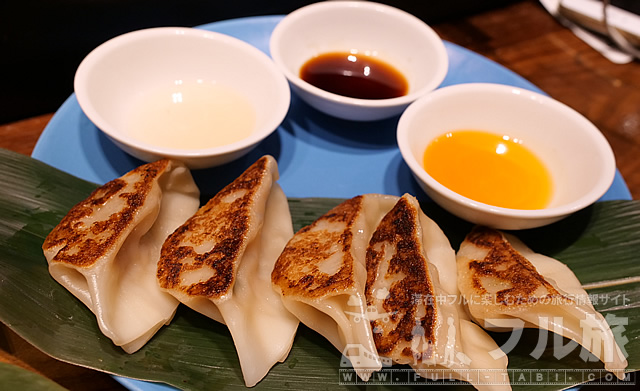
223	222
84	235
297	271
408	272
503	263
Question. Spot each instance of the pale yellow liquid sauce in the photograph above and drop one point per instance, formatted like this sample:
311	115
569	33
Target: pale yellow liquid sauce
192	115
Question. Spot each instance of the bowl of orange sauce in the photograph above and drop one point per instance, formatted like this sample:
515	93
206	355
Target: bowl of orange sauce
358	60
503	156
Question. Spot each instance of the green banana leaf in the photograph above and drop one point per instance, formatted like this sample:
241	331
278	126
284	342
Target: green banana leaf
13	377
600	244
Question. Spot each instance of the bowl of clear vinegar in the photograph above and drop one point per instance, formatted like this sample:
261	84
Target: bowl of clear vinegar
200	97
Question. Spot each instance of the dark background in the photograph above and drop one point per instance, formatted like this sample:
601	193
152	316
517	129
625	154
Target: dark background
43	41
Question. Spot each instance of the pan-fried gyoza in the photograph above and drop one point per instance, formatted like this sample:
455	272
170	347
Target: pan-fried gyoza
407	259
503	280
105	250
361	275
219	263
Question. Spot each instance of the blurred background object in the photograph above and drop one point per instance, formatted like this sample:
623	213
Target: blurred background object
612	27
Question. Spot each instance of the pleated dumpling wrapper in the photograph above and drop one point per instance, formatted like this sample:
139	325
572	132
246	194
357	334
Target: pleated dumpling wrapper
105	250
419	321
321	276
506	285
219	263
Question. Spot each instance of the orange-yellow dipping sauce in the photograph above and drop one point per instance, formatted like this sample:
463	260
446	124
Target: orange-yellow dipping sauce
489	168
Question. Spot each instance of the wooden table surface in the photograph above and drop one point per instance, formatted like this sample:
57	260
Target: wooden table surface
524	38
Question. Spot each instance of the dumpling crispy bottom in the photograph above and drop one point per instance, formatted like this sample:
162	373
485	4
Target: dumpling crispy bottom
83	245
503	263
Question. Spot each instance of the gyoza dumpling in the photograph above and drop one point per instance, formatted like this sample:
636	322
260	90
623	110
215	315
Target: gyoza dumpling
417	321
502	279
219	263
105	250
321	275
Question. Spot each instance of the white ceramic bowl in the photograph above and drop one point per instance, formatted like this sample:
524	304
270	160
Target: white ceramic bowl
392	35
579	158
114	77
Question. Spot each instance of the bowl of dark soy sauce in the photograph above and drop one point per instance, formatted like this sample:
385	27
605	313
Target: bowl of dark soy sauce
358	60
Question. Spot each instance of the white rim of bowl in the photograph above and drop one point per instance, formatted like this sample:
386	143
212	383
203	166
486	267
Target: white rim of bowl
440	55
602	185
82	73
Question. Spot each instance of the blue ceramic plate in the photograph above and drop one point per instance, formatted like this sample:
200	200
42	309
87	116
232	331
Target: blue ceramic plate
318	156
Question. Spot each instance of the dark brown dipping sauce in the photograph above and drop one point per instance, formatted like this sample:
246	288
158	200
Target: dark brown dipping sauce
354	75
